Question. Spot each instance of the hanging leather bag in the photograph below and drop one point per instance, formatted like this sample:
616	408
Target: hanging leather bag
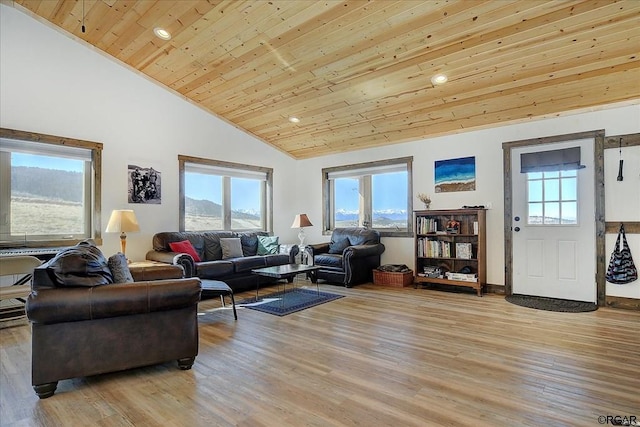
621	268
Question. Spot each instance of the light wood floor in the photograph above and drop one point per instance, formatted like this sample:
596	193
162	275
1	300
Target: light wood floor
379	357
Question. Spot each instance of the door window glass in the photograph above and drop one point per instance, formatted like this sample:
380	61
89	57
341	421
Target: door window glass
552	198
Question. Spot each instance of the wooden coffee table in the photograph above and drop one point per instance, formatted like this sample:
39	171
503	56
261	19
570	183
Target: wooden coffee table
287	271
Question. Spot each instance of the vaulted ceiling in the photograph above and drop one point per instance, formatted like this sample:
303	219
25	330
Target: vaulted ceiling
357	73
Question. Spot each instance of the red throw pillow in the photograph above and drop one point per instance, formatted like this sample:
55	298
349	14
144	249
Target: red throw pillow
185	247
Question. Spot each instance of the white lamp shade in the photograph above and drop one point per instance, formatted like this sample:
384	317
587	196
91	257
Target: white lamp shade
122	221
301	220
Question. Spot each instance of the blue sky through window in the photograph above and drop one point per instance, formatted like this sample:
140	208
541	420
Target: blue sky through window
389	192
46	162
245	192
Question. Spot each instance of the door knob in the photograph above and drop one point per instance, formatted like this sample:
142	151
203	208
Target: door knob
516	229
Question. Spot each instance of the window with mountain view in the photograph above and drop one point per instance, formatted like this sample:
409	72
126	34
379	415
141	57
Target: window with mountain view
224	196
48	188
375	195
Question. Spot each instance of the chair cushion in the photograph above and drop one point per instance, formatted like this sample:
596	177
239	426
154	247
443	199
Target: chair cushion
214	269
339	246
231	248
249	263
120	268
328	260
268	245
186	247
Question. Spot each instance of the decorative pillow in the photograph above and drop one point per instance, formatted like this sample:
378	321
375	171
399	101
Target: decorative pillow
120	268
339	246
268	245
185	247
231	248
249	242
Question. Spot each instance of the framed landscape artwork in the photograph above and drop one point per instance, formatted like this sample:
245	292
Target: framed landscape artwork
145	185
455	175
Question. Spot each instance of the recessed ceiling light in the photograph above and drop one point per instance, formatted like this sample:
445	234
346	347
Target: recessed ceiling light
162	33
294	119
439	79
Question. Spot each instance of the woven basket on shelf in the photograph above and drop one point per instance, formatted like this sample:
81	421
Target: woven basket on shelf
388	278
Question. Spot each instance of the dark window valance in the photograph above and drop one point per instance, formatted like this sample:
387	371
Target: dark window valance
550	161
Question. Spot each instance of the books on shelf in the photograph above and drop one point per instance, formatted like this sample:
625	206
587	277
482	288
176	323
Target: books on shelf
430	271
426	225
463	277
431	248
463	250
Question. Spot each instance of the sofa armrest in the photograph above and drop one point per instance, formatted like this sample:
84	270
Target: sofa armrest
175	258
319	248
81	303
291	250
360	251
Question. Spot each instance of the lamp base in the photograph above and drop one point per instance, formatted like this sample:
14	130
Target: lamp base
123	243
301	236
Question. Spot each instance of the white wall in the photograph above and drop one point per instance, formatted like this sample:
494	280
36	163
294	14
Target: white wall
622	203
486	146
52	84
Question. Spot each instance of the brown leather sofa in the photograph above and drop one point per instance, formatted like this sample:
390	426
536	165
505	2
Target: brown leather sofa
82	326
349	258
235	272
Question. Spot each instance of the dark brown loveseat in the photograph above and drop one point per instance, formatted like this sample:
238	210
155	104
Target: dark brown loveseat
235	272
84	325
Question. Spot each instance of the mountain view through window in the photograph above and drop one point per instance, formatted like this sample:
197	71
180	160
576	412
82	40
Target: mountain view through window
47	195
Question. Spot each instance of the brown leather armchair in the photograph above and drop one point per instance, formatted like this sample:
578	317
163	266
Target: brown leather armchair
84	330
349	258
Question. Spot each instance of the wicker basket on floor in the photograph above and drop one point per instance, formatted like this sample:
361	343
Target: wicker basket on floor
395	279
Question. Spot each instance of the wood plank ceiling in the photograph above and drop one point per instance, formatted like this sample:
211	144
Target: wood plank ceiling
357	73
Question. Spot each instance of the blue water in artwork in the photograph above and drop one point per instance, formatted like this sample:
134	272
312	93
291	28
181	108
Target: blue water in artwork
455	170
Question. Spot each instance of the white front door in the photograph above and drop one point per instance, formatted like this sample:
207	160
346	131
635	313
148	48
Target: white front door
553	227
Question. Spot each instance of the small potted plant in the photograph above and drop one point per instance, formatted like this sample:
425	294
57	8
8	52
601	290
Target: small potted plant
424	198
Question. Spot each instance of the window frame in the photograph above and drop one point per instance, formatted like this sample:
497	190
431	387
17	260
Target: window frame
92	210
267	196
328	208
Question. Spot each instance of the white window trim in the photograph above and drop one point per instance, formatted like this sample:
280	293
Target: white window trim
228	170
363	172
37	143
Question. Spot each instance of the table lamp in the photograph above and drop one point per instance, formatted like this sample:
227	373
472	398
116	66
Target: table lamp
301	221
122	221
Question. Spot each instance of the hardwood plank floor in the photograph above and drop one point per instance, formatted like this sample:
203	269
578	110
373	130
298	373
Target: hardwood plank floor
379	357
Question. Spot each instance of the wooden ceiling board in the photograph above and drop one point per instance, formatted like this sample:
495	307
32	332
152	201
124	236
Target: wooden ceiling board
506	99
357	72
543	73
261	56
133	35
369	76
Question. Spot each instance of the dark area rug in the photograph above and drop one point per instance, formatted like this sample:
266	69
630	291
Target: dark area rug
281	303
551	304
